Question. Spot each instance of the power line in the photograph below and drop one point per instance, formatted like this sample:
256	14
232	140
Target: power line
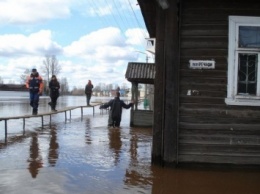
119	13
95	8
114	17
136	17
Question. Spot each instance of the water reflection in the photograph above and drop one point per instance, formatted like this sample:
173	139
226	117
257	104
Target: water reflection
35	160
78	157
202	181
53	148
13	108
115	143
138	172
88	131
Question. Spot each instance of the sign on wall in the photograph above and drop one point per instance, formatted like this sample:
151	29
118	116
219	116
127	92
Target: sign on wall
202	64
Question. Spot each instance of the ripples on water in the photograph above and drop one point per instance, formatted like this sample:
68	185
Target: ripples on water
83	156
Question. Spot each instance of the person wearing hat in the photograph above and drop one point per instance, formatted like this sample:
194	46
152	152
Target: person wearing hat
34	83
54	87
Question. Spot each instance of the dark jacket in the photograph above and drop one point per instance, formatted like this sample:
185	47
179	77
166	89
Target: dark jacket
116	106
88	89
54	88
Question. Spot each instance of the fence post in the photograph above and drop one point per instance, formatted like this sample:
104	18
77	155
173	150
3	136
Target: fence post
5	131
23	125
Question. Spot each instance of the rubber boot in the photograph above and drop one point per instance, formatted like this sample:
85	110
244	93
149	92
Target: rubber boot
53	106
34	112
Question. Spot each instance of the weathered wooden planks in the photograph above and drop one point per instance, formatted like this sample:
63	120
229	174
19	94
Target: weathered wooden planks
209	130
190	103
142	118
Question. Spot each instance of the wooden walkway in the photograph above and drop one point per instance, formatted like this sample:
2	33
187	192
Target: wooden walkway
64	110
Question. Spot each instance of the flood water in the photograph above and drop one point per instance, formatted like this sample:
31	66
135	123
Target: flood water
83	156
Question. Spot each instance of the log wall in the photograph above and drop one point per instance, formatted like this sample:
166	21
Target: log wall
209	130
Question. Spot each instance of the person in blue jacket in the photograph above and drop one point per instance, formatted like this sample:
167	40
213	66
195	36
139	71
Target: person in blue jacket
115	112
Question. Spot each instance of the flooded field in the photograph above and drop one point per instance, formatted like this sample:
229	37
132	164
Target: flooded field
84	156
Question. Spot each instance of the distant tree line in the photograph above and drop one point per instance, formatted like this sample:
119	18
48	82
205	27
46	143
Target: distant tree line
102	89
50	66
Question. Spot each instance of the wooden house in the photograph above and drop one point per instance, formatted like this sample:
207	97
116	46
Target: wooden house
140	73
207	84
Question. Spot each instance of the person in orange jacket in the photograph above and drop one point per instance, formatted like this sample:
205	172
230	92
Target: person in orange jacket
34	83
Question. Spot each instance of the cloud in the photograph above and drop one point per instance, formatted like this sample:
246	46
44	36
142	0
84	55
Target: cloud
78	74
100	11
103	46
106	36
101	56
136	36
32	11
91	39
104	55
94	56
12	69
102	8
39	43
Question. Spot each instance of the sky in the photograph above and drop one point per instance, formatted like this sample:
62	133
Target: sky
91	39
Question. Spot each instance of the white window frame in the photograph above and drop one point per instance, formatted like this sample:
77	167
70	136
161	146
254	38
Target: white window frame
232	97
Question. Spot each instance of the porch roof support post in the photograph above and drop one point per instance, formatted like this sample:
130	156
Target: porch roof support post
132	108
135	94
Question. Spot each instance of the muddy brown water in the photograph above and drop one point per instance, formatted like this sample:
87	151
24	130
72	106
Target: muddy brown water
83	156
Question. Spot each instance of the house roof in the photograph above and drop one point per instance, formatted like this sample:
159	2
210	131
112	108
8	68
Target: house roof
148	9
140	72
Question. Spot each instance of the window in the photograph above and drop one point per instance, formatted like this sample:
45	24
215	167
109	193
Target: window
243	61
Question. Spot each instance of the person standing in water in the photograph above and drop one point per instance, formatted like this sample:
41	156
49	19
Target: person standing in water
34	83
115	112
88	91
54	87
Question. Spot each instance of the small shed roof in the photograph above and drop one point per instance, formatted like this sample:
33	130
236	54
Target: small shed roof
140	72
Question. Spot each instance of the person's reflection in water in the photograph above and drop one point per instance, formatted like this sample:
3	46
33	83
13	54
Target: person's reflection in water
54	146
137	173
88	131
35	160
132	175
115	142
